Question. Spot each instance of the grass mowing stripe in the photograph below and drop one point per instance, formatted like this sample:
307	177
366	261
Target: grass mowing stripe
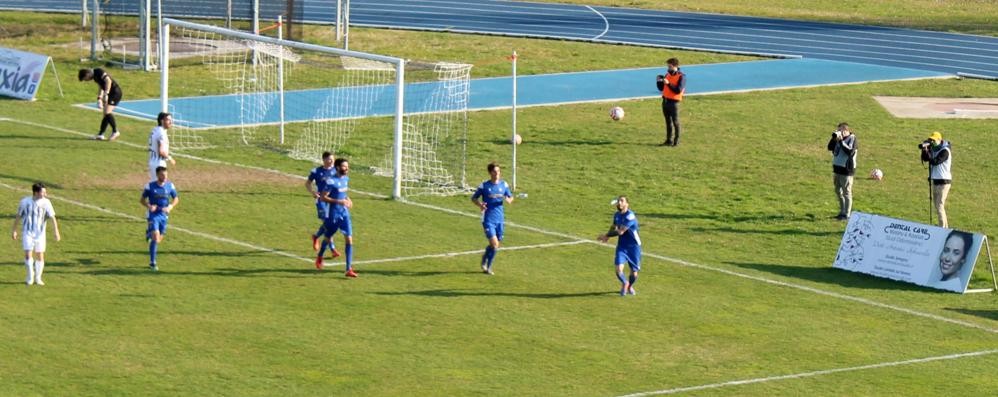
814	373
576	238
172	227
451	254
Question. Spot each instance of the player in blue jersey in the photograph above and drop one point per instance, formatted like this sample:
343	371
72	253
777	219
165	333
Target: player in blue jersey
160	198
338	216
625	226
493	194
318	176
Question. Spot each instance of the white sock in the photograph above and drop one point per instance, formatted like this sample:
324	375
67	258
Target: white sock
30	265
39	266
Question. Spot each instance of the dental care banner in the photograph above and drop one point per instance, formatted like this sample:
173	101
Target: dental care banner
21	73
908	251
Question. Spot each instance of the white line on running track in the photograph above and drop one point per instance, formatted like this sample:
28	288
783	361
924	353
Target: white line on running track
605	23
576	238
813	373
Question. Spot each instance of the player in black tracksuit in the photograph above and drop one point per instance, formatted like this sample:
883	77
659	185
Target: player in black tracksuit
107	99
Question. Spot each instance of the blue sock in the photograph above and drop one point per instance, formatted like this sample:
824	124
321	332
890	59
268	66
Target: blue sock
620	276
153	246
320	232
349	253
485	255
491	253
322	248
634	278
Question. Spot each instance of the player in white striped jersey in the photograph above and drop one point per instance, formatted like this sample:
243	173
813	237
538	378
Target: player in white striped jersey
33	213
159	144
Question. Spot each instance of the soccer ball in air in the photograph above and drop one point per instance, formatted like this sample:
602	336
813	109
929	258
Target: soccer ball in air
877	174
617	113
517	139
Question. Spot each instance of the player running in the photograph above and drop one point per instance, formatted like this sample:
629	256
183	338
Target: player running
625	225
34	212
493	194
160	198
338	217
319	176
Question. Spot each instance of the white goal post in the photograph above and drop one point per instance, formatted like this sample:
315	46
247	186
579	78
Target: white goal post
397	63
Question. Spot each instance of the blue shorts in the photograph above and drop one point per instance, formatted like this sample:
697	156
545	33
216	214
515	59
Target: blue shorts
156	223
321	210
629	255
341	223
493	230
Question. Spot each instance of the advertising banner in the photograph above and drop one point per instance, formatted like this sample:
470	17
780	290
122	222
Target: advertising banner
908	251
21	73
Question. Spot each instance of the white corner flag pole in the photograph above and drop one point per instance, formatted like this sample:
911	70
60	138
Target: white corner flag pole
512	139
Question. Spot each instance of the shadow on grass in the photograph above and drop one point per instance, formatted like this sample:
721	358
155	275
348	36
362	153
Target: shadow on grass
240	254
30	181
452	293
404	273
782	232
831	275
988	314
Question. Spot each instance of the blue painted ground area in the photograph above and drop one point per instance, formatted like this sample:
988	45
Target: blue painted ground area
536	90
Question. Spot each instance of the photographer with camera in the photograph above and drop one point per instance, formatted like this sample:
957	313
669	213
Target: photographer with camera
937	153
843	148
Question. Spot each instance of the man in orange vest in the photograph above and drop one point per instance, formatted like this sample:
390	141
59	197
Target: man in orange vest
672	85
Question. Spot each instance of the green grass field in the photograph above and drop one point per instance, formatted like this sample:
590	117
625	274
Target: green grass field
736	284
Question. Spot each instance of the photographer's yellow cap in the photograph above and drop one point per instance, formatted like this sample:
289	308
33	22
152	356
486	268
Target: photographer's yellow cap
936	136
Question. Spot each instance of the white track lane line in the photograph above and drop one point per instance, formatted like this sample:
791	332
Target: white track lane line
576	238
813	373
606	23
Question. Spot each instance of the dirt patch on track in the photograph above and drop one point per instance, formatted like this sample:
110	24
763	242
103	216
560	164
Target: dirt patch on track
940	108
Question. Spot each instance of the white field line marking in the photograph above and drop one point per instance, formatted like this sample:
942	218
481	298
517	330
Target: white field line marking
605	23
179	229
814	373
453	254
576	238
282	253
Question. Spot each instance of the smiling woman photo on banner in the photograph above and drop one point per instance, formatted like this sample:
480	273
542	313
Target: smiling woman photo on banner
952	261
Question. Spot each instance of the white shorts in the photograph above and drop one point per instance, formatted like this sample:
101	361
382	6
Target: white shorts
33	243
152	169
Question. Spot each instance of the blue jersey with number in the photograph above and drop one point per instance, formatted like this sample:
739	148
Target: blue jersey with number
319	176
493	194
337	186
160	196
630	237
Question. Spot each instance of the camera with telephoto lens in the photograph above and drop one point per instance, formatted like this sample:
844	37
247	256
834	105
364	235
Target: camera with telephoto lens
925	144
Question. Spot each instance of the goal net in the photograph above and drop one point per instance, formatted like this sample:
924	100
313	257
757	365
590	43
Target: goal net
388	117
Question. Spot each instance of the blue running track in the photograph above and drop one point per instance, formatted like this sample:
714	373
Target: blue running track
534	90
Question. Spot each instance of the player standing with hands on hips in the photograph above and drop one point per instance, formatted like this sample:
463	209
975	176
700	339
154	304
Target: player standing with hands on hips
34	212
159	144
673	86
493	194
625	226
843	146
937	153
108	97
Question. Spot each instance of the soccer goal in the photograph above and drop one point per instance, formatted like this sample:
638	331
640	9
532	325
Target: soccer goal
389	117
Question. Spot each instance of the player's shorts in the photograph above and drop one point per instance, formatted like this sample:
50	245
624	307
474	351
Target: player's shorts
630	255
341	223
493	230
32	242
321	209
114	97
153	164
157	223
